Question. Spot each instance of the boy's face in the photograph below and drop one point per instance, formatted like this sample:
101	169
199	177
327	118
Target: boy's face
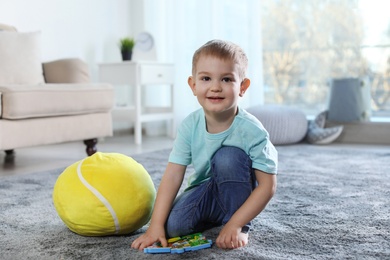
217	84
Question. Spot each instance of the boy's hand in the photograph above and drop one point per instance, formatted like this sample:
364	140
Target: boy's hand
167	191
231	237
151	236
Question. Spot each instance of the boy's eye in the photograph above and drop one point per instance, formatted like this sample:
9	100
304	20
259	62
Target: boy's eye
205	78
226	79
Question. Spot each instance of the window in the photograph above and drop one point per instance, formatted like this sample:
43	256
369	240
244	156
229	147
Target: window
308	43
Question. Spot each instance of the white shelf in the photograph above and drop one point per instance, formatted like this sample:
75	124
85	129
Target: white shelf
137	75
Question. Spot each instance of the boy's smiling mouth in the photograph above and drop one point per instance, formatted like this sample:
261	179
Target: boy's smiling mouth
216	98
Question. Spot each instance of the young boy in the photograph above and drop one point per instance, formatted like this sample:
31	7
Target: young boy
234	161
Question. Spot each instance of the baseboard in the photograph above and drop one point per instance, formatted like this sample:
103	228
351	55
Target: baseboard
363	132
149	129
126	131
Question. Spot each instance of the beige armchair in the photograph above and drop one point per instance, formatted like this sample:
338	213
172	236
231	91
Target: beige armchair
46	103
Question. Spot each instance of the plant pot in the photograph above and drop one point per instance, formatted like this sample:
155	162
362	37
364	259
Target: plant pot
126	55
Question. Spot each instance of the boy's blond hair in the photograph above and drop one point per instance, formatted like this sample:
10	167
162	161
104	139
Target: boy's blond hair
224	50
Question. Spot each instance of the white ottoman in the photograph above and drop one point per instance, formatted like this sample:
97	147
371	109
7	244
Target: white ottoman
285	125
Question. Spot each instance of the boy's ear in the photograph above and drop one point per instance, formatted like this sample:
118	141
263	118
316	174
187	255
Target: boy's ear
191	83
244	86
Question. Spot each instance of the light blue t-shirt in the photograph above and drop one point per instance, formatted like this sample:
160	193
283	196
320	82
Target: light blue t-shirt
195	145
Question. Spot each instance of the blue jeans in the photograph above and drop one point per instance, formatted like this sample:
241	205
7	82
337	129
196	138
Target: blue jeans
214	202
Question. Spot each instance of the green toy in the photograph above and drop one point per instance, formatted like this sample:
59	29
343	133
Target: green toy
178	245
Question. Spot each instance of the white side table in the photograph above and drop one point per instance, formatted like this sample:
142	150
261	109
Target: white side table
138	75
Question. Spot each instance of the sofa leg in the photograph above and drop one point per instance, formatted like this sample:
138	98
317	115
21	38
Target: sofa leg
9	152
9	157
91	146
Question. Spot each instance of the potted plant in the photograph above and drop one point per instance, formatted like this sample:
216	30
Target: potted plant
126	45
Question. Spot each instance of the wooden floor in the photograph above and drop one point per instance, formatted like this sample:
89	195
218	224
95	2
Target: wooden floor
49	157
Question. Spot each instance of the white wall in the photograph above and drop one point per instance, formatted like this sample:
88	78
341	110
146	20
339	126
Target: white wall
86	29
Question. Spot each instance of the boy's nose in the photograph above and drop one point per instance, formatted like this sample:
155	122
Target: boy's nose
216	86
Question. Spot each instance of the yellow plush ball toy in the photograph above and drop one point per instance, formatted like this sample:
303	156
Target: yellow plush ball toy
104	194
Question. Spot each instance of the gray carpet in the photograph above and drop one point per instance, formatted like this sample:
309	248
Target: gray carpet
332	202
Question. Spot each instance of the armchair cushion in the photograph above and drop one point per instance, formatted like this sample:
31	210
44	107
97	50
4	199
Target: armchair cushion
66	71
20	58
49	100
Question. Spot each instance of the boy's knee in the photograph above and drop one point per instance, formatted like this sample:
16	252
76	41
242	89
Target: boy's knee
231	163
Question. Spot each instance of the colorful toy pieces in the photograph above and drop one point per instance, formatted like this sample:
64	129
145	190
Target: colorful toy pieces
104	194
178	245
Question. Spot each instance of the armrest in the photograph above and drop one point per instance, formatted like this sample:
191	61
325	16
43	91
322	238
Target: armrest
5	27
66	71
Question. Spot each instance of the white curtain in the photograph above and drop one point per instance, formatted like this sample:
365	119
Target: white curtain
181	26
